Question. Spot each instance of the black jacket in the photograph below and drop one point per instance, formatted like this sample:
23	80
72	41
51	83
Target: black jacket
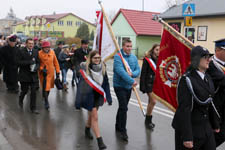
8	59
24	60
147	77
79	56
57	52
218	78
192	120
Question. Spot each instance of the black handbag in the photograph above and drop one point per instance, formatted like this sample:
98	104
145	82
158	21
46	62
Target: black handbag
58	84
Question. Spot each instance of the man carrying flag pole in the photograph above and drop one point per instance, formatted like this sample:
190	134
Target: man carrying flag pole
108	46
124	70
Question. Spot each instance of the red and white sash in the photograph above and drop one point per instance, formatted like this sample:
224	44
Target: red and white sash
93	84
151	63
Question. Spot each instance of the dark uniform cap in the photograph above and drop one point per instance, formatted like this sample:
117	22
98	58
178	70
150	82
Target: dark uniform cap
12	38
220	43
84	41
60	43
200	51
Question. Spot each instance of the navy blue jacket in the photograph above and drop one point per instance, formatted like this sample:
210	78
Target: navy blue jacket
85	94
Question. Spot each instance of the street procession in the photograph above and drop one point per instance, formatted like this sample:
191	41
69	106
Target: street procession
116	75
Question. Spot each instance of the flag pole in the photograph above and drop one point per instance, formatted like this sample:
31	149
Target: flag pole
188	42
118	49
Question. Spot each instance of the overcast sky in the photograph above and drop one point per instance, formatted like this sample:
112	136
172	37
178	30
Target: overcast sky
83	8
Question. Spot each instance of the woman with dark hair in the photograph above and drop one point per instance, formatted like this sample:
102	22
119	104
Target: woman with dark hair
146	81
196	117
93	90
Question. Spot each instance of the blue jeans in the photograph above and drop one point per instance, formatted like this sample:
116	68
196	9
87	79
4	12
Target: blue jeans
123	96
74	78
64	74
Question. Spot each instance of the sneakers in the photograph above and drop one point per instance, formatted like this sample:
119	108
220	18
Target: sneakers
101	144
65	87
88	133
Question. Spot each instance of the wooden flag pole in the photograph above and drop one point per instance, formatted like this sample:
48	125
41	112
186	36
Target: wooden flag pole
189	43
118	48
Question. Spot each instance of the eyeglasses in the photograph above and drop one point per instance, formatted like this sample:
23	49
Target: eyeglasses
96	57
207	56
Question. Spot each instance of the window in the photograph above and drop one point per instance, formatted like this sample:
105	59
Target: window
60	23
69	23
78	23
190	33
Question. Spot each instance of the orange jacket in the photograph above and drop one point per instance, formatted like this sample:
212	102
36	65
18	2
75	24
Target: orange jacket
50	61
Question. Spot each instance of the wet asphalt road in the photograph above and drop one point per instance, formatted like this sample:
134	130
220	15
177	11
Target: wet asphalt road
62	128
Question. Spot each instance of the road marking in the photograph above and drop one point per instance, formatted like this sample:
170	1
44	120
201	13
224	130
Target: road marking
134	102
154	110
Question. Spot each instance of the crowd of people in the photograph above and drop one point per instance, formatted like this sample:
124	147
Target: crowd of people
199	121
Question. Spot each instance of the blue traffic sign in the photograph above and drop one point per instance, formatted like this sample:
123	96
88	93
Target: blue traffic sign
188	10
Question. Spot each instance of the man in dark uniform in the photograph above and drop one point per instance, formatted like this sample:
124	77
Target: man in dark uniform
58	49
80	55
195	119
8	58
217	72
29	63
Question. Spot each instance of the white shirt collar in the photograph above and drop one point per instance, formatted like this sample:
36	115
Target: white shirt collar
220	61
201	74
29	49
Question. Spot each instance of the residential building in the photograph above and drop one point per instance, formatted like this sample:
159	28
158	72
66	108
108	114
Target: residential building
55	25
207	24
139	27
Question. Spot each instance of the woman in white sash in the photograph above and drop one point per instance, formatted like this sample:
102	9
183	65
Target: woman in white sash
93	90
146	81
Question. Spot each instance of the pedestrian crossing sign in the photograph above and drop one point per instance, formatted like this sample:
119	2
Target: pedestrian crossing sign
188	10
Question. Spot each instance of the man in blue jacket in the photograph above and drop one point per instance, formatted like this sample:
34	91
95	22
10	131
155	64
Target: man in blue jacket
123	82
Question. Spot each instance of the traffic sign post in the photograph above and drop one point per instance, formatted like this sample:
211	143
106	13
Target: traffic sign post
188	21
188	10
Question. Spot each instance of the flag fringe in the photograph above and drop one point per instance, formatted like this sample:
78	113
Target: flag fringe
175	35
164	102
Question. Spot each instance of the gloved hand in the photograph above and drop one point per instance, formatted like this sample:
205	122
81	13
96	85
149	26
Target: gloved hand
44	71
57	75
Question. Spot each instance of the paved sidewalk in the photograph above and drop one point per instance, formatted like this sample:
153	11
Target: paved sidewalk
4	144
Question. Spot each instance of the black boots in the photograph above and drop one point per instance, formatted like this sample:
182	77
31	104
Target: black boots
148	122
88	133
101	144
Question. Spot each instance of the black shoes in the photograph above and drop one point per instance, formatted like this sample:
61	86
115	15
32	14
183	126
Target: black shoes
101	144
124	136
46	105
34	112
148	122
88	133
21	104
